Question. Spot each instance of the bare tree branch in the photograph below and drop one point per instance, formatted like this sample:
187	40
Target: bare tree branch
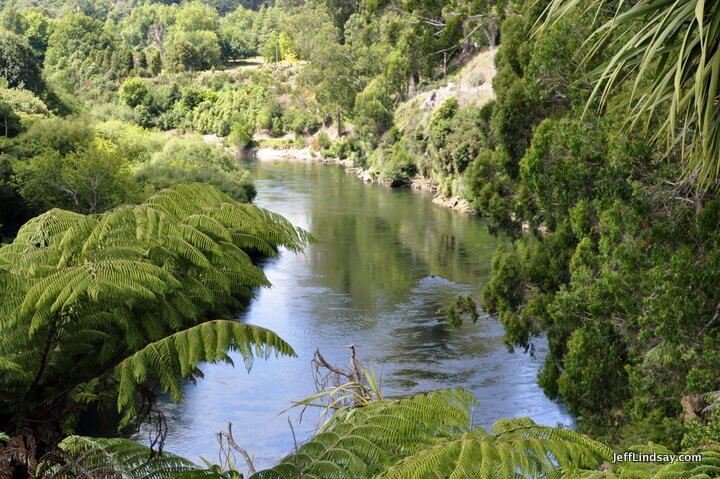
231	441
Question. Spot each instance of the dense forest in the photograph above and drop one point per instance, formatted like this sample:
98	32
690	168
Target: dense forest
129	234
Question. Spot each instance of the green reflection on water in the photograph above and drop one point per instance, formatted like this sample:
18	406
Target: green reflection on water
383	241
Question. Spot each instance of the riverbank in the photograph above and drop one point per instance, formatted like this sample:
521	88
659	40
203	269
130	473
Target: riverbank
418	183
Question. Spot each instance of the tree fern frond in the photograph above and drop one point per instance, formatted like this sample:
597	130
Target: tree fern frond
516	447
253	243
361	442
47	228
175	358
118	459
428	436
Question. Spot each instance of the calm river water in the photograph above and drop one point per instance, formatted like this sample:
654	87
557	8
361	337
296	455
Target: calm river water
386	261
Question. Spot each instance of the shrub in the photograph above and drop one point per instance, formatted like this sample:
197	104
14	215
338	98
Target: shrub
192	160
59	134
398	167
133	142
301	122
241	135
271	111
277	127
237	184
134	92
345	148
699	434
17	105
323	141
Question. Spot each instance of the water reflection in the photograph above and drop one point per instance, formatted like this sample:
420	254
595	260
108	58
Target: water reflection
387	261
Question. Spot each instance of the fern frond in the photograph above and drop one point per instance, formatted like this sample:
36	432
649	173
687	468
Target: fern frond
117	459
429	436
361	442
48	228
517	447
175	358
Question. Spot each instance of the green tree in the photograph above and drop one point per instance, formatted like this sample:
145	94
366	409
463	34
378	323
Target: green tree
81	48
192	51
374	109
309	29
134	92
10	17
196	16
18	64
89	180
35	27
147	25
237	37
241	135
593	377
270	49
341	10
336	84
154	61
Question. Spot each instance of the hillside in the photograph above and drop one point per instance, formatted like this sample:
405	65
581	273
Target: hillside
471	85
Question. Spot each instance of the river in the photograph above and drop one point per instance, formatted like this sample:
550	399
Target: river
386	261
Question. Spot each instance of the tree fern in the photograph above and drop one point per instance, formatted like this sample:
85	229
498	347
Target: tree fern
429	435
86	297
515	448
116	459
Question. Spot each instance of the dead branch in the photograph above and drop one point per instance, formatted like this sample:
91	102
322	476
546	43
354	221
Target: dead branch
228	436
323	363
353	377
